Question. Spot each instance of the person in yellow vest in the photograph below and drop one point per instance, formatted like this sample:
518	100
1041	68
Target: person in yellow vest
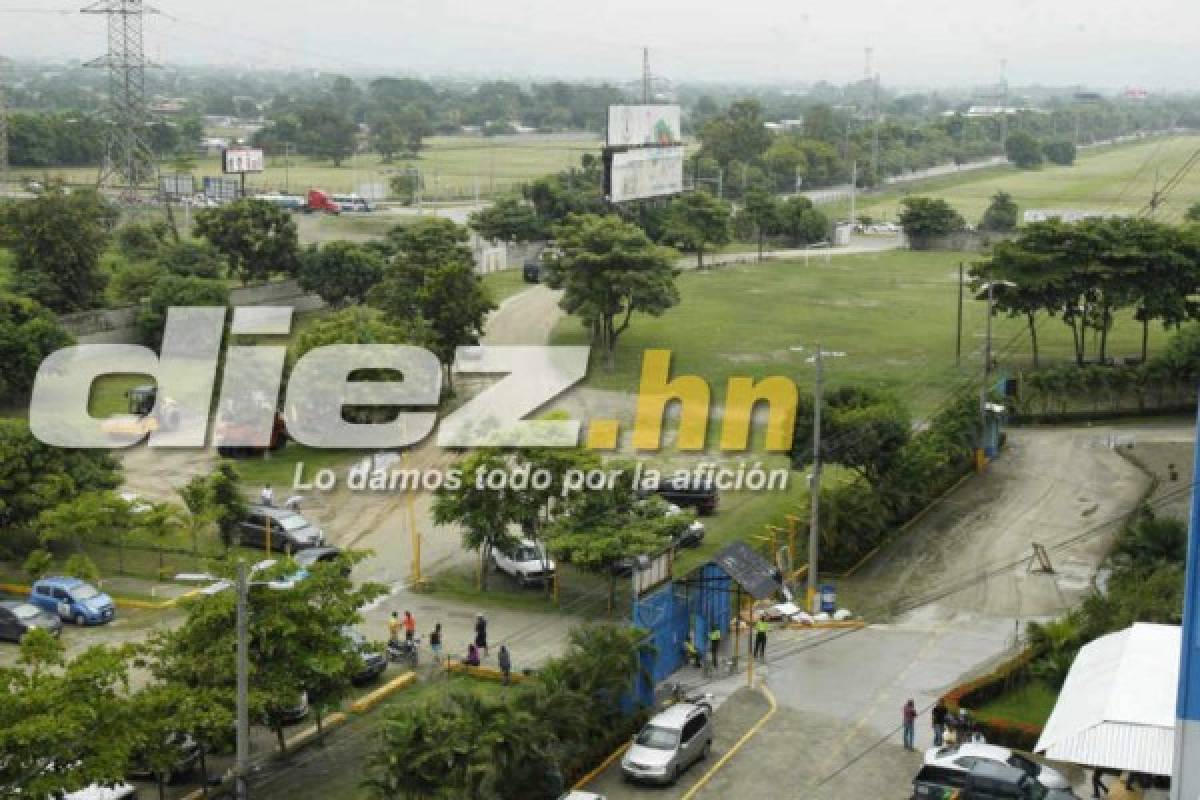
714	643
761	626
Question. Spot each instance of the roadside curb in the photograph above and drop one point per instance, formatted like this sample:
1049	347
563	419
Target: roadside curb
369	701
832	625
483	673
605	764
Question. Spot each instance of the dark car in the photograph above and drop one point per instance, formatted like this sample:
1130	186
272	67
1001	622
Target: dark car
532	271
685	493
289	531
373	662
320	555
18	618
986	780
187	758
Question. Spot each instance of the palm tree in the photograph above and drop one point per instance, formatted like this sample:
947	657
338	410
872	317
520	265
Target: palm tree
1155	541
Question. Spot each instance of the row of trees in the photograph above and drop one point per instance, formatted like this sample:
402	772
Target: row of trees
1086	272
1025	151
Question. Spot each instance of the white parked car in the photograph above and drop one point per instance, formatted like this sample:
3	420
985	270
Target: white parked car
968	755
526	562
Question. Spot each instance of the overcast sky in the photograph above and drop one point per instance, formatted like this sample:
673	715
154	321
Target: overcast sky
1108	43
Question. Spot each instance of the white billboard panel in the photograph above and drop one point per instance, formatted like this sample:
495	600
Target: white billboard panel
239	160
638	126
1066	214
652	172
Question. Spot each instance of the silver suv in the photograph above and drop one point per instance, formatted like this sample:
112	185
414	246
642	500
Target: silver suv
669	744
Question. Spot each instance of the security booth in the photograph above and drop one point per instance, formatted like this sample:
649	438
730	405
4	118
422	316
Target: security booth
691	606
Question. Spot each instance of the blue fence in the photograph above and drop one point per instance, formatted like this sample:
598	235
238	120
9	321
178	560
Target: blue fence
673	612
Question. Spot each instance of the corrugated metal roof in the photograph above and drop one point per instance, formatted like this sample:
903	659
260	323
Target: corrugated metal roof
1117	707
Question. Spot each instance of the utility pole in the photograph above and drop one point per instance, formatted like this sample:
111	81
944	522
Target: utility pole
1003	101
646	80
814	516
981	454
242	762
875	135
958	336
126	155
853	191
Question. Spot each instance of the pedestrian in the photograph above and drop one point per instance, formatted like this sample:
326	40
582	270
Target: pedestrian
505	662
435	642
940	712
910	722
760	637
1098	784
267	496
472	656
690	653
410	627
714	644
394	626
481	633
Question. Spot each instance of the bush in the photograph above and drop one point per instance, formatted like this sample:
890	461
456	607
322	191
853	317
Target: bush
133	282
1061	153
176	290
925	218
1023	150
974	694
1001	214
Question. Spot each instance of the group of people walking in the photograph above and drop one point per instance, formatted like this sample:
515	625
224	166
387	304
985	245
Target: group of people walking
479	644
944	721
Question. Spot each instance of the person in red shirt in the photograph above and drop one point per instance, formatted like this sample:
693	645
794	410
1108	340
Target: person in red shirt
910	724
410	626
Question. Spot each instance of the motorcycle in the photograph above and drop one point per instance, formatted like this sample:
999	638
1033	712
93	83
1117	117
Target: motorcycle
404	650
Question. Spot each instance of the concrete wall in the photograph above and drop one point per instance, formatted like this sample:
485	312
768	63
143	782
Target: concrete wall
116	325
970	241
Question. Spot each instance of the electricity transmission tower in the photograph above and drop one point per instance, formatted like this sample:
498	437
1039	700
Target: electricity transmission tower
127	157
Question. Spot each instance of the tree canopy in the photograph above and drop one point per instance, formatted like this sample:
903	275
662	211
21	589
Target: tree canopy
258	238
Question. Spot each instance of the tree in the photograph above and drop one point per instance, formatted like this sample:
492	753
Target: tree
802	222
1060	152
925	218
763	212
407	184
256	237
64	725
226	501
168	711
295	635
328	133
1023	150
28	333
57	239
607	269
340	272
1193	213
740	134
132	282
37	477
454	304
484	515
1001	214
508	220
174	291
695	221
193	257
861	429
398	131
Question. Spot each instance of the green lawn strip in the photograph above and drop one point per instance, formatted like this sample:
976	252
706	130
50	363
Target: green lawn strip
505	284
581	594
1030	704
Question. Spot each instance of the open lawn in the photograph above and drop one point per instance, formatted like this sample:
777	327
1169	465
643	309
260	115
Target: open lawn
1112	179
452	166
889	317
505	283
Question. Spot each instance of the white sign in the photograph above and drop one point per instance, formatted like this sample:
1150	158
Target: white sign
638	126
652	172
239	160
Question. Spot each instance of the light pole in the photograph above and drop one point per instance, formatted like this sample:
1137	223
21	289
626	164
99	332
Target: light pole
814	516
981	453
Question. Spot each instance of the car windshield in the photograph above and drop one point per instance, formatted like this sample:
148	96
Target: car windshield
292	523
84	593
527	554
25	612
657	738
1025	765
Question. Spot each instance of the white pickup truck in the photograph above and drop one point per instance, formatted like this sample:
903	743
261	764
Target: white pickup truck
526	562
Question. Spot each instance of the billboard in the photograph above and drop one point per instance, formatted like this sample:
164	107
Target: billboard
240	160
222	189
652	172
640	126
176	186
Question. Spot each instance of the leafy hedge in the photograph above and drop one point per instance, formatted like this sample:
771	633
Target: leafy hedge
1010	675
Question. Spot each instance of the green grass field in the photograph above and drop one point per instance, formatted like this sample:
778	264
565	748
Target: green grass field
1117	179
452	166
892	314
505	284
1030	704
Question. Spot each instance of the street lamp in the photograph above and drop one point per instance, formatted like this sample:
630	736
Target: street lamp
241	585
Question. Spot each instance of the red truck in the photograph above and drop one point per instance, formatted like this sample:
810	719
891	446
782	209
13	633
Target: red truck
319	200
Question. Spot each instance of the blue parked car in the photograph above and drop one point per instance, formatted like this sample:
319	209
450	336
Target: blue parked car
73	600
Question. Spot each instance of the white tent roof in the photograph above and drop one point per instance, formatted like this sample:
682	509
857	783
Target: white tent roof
1117	707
